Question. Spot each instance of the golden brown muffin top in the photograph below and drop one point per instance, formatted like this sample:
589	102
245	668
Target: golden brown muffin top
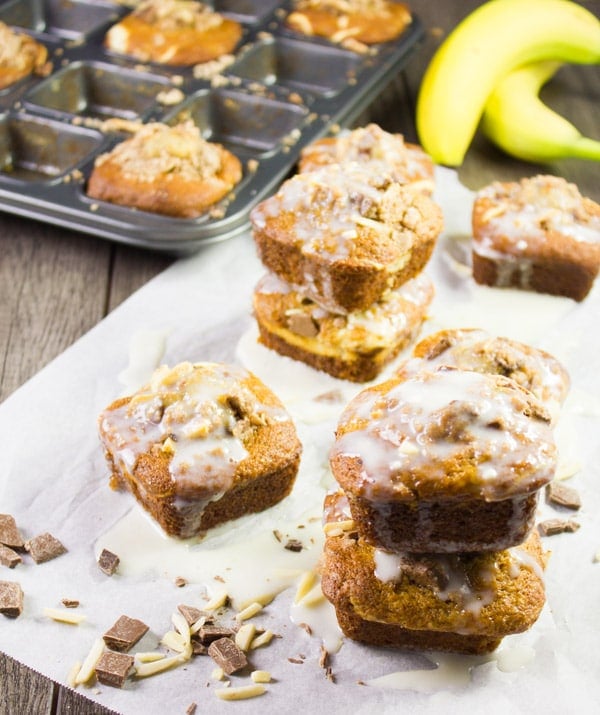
350	212
202	417
406	162
475	349
19	51
176	14
525	212
160	150
442	434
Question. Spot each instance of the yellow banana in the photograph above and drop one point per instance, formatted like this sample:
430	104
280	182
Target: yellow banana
517	121
497	37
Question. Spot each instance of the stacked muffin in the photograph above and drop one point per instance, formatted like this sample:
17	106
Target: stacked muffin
345	245
429	541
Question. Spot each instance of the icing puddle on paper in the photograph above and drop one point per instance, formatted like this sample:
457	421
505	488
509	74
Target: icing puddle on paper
248	556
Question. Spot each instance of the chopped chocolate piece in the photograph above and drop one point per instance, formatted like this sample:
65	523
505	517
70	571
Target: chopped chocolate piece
296	661
44	547
108	562
190	613
209	633
9	533
551	527
8	557
11	599
277	534
191	709
180	582
198	648
70	602
113	668
125	633
293	545
562	495
323	657
303	325
227	655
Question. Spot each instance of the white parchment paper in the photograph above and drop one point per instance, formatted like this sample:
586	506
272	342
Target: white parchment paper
53	478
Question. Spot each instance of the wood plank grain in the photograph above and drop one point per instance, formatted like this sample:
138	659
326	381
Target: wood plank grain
53	288
23	691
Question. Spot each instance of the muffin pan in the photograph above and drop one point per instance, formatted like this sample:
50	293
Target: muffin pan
281	92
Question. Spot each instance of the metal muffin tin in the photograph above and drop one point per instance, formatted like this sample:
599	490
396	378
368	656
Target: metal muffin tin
283	91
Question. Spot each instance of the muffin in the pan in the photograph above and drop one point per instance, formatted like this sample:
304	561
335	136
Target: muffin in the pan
346	234
201	444
174	32
20	56
365	21
462	603
355	346
474	349
407	163
538	234
445	460
166	170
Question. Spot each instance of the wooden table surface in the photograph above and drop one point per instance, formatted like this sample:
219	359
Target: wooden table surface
56	284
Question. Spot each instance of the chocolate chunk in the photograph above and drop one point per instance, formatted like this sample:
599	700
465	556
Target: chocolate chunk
125	633
11	599
551	527
293	545
9	533
8	557
198	648
190	613
44	547
180	582
227	655
191	709
70	602
303	325
113	668
209	633
562	495
108	562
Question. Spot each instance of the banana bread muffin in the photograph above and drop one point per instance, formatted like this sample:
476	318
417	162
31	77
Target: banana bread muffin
473	349
199	445
166	170
462	603
364	21
538	234
174	32
445	460
407	163
347	234
20	56
355	346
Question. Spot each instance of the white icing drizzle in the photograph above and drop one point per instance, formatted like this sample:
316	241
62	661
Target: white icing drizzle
187	412
442	415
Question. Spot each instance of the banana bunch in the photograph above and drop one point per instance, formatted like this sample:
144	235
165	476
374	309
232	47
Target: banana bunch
492	66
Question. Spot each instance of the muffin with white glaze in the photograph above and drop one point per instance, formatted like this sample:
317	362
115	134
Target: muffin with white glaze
444	461
199	445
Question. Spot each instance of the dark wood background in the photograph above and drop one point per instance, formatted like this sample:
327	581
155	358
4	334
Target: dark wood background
55	284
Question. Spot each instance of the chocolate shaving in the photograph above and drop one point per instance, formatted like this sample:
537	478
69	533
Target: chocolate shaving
44	547
296	661
191	709
8	557
294	545
11	599
9	533
125	633
277	535
108	562
209	633
551	527
180	582
227	655
70	603
113	668
562	495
